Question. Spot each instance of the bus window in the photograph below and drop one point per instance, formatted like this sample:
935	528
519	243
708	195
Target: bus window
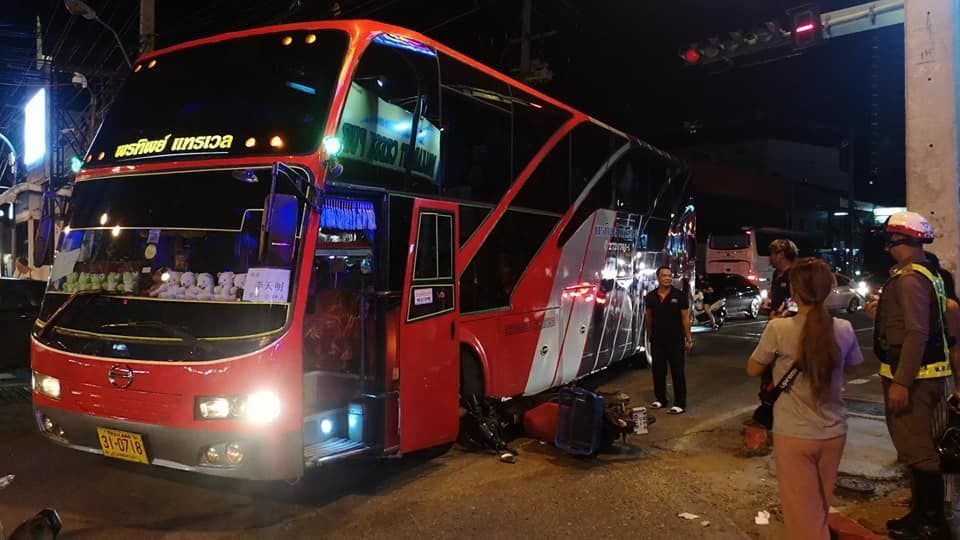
471	217
534	121
476	134
730	241
547	188
391	85
489	279
592	146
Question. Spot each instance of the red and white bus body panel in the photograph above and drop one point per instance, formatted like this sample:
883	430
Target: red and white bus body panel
536	344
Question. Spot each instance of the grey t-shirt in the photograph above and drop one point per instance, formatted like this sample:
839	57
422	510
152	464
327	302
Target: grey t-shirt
797	413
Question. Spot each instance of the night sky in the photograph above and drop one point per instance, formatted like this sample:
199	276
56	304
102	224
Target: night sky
614	59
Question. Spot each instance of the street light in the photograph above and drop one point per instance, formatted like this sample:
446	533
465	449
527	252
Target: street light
78	7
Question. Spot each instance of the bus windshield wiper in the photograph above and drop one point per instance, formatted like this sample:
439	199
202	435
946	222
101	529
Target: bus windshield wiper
58	314
171	330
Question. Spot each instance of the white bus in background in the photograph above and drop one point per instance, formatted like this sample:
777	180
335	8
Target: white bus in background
746	253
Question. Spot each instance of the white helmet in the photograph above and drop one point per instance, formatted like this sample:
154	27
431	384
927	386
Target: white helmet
910	224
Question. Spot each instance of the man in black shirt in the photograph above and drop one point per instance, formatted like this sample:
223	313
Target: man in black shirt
783	253
667	322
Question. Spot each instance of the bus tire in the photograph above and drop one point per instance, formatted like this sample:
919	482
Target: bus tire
471	387
471	373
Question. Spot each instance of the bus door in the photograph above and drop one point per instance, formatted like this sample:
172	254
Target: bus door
428	346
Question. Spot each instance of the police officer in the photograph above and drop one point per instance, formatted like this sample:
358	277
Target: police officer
911	343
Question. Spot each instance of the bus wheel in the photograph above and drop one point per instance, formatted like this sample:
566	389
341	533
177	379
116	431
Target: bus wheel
479	422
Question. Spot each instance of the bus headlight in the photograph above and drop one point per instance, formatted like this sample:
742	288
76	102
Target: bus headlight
214	408
260	407
46	385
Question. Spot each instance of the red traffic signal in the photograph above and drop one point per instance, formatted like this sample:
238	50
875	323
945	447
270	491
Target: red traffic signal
692	56
806	25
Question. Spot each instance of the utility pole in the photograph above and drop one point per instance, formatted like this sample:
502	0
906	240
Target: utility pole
525	31
148	20
931	72
531	70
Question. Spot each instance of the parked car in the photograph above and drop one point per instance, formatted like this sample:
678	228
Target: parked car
741	295
19	307
848	295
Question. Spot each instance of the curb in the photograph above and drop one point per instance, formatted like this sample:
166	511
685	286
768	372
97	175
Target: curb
844	528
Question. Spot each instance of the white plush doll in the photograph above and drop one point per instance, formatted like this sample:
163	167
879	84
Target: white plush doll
188	285
224	285
83	282
171	286
205	287
70	285
113	282
129	285
239	281
97	281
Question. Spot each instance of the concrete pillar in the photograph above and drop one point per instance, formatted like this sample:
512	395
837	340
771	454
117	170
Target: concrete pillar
931	62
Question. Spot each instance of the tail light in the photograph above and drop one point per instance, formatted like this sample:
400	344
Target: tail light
752	277
601	297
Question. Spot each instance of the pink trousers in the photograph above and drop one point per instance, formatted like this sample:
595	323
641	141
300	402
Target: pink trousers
806	475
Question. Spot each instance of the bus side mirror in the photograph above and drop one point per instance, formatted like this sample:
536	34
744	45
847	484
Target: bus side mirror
278	233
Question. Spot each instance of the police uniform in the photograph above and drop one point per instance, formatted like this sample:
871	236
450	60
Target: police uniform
667	343
910	341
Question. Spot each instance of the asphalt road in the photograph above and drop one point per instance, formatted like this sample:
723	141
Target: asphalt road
687	463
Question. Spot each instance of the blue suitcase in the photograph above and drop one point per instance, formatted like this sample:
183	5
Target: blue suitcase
579	421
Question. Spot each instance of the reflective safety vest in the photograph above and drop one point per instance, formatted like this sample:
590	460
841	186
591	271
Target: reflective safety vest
941	366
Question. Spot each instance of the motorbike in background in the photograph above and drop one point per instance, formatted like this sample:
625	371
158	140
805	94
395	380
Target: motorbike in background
45	525
700	317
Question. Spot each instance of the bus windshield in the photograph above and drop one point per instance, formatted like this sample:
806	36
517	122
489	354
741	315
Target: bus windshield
246	96
174	260
730	241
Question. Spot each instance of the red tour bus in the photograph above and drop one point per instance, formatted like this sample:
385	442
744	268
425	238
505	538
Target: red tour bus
294	244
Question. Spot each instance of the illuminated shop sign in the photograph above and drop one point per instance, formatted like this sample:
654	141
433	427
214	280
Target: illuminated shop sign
377	132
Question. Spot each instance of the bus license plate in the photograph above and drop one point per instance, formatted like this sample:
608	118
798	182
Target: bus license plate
122	445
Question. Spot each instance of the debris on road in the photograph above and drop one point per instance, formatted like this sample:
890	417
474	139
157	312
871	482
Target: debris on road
705	523
762	518
688	516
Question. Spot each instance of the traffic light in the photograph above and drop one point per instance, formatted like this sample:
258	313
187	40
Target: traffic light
691	55
806	27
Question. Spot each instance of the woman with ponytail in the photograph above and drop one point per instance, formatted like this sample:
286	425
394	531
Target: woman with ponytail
810	425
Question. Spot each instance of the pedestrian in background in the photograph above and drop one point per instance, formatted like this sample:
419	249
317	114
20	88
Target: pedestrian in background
783	253
667	322
21	269
810	418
